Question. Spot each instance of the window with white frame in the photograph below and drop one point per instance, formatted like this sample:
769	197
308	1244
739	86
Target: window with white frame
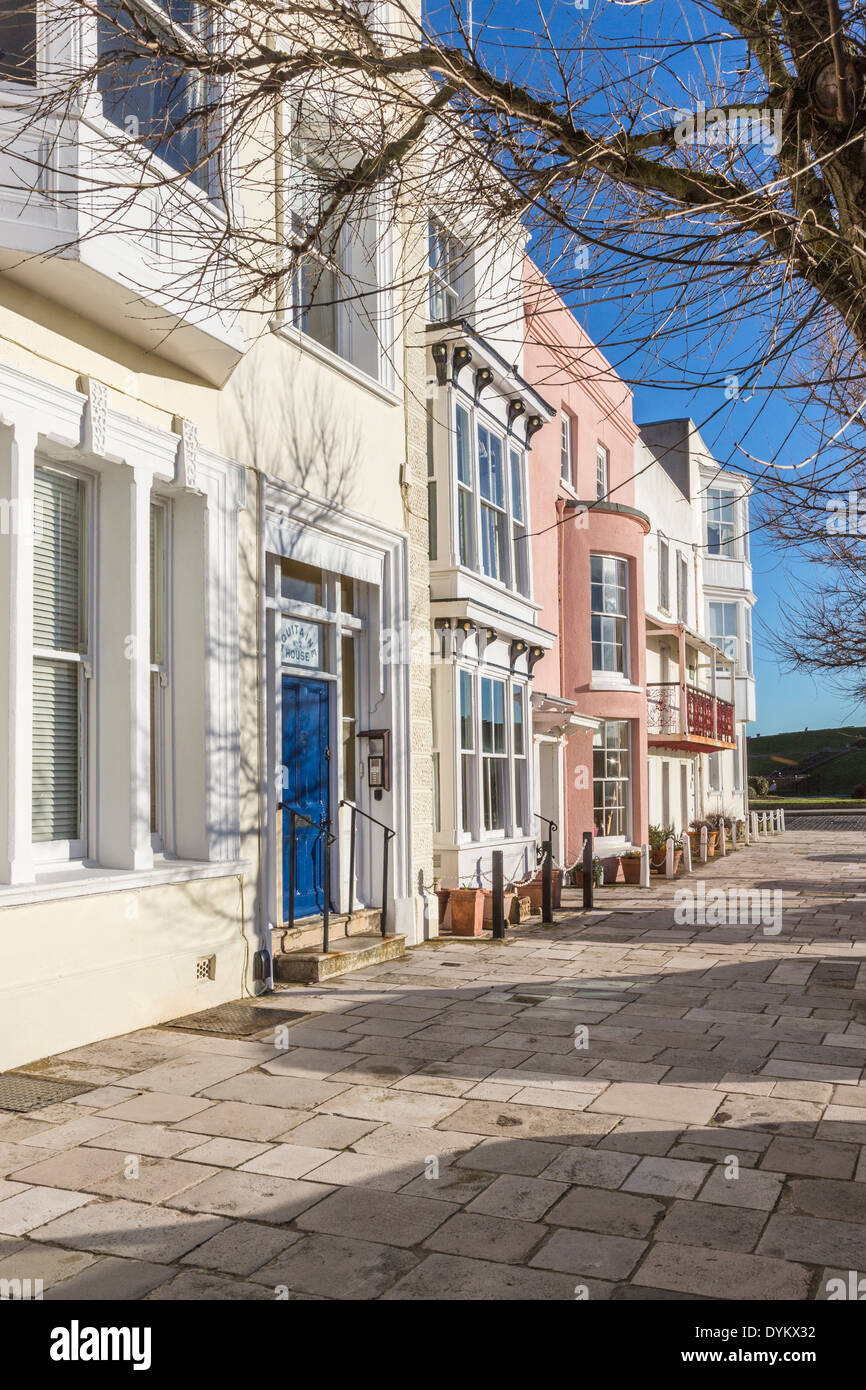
714	772
566	425
602	471
738	763
465	490
18	58
158	667
747	631
61	638
338	285
682	589
494	519
723	629
494	753
611	778
449	269
159	102
664	575
721	512
521	776
519	557
609	611
467	751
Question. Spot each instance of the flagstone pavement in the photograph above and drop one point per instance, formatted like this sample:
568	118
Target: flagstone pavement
617	1107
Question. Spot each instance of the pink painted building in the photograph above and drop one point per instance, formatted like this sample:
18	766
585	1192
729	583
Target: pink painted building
589	700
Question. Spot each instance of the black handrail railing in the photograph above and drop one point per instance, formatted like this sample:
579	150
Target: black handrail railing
387	837
297	817
547	869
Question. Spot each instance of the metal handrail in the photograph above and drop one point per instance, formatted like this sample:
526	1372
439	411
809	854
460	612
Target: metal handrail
386	842
324	828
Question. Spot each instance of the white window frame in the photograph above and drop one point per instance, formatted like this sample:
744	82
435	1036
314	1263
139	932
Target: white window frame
682	588
664	575
465	492
619	836
447	274
467	756
71	850
602	471
624	617
515	579
722	511
714	773
160	678
566	448
722	639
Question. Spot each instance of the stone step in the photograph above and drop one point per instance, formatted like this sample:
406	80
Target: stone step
347	953
306	935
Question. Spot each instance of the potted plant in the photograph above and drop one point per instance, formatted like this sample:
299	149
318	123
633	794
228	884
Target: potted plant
658	843
597	873
466	910
715	827
509	897
678	852
631	865
533	890
694	834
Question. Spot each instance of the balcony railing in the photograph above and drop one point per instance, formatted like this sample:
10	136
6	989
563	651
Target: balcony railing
704	717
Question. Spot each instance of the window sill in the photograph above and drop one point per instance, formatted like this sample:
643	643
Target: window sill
79	881
614	683
308	345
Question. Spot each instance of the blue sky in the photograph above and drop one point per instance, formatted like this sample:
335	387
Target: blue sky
762	422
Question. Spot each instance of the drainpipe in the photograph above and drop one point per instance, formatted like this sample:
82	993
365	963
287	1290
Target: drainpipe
265	788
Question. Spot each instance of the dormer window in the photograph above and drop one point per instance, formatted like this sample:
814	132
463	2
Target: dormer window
449	270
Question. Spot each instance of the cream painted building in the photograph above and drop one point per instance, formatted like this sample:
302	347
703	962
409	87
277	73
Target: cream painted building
213	588
700	681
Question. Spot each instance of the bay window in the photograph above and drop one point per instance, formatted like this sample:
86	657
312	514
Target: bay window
664	575
60	658
609	614
611	778
721	510
723	628
160	102
494	753
494	561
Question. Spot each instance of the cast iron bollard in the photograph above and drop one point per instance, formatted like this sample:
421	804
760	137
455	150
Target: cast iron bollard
498	896
547	882
588	884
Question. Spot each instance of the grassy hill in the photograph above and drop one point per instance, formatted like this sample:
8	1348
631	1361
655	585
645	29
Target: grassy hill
776	752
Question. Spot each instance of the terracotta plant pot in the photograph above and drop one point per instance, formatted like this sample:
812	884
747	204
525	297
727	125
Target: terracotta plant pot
466	909
657	859
508	897
631	870
533	890
695	842
712	841
612	866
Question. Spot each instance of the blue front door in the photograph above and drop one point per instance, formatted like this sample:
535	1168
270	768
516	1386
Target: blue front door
305	759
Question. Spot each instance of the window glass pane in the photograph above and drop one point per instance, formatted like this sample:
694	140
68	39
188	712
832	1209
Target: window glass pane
611	778
57	562
18	41
301	583
56	753
609	613
494	793
467	732
601	471
464	457
151	99
516	486
519	748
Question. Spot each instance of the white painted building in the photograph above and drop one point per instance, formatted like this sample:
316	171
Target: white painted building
700	682
486	638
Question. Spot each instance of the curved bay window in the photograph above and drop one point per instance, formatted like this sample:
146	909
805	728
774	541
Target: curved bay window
494	753
611	779
609	608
